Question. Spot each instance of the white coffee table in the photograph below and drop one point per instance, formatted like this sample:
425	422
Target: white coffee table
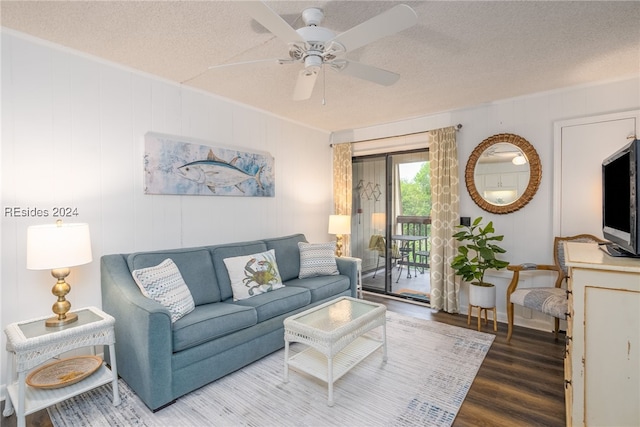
335	335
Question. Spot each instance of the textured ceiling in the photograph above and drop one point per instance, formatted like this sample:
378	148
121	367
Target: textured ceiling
459	54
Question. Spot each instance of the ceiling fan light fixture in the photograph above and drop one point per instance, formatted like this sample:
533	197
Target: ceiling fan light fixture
312	63
519	160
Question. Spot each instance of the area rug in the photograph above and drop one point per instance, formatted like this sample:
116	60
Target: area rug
429	371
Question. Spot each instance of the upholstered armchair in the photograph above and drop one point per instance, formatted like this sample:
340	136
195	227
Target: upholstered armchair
548	300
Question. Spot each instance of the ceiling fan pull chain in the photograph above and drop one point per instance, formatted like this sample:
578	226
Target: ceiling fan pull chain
324	84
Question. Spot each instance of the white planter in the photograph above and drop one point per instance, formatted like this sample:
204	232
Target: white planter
482	296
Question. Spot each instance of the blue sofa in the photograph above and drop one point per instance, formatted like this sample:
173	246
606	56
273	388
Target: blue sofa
162	361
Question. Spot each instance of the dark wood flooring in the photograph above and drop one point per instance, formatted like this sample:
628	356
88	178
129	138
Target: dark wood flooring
519	384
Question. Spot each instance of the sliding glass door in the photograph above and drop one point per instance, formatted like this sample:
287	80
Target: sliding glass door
390	231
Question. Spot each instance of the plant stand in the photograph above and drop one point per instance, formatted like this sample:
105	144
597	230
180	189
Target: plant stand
480	309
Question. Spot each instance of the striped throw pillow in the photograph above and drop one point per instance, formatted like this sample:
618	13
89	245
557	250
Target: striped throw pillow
317	259
164	283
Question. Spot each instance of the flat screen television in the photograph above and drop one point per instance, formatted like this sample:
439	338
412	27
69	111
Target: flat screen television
620	175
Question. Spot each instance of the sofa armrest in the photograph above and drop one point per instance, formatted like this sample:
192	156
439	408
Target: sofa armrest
349	268
143	333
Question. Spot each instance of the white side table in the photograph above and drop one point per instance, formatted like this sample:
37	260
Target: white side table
31	343
359	266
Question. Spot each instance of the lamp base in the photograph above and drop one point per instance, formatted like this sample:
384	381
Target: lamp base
54	322
61	307
338	245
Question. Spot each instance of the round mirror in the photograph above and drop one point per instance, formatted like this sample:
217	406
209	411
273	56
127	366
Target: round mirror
503	173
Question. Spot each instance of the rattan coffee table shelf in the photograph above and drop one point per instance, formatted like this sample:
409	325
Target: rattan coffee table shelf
334	334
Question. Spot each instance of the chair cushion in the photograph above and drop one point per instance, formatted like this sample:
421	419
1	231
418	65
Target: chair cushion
278	302
322	287
551	301
287	254
219	253
210	321
195	265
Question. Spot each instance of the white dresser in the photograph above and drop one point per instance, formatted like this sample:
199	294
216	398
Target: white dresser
602	365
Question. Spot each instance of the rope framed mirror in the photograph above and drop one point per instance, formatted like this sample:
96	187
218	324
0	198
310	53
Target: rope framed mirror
503	173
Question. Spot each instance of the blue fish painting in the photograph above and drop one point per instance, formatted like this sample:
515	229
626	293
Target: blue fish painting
175	165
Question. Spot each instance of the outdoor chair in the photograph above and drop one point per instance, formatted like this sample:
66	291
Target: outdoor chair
415	251
379	243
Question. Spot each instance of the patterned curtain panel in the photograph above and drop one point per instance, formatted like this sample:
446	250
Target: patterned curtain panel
445	216
342	185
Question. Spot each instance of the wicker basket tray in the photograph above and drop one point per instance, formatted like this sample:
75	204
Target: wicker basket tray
64	372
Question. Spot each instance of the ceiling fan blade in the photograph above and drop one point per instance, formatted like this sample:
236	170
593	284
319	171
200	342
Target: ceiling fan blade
305	83
272	21
237	64
365	72
394	20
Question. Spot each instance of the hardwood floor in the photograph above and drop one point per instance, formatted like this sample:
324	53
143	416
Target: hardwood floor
519	384
37	419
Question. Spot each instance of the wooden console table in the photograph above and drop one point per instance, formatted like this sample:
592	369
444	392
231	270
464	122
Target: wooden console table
602	362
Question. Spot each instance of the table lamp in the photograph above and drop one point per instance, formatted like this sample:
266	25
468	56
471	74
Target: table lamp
57	247
378	220
339	225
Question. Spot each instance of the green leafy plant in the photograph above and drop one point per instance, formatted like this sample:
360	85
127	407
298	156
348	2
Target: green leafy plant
479	253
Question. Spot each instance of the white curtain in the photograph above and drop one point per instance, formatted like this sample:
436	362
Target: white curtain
445	216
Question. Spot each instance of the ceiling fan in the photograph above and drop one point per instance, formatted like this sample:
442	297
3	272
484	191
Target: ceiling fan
315	46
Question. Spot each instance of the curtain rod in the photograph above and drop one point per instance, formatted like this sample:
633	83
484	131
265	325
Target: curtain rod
457	127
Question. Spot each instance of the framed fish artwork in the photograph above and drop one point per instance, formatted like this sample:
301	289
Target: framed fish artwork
178	165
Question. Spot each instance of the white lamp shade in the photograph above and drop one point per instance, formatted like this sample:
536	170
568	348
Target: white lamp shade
58	245
339	224
378	219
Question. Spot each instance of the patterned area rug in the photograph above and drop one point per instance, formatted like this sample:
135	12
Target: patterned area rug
429	371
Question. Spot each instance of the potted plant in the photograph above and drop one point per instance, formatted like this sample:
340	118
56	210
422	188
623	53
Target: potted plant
475	257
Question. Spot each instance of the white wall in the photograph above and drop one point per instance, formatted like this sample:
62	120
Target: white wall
73	135
529	231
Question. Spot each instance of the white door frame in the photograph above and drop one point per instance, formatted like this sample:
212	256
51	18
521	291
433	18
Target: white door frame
557	155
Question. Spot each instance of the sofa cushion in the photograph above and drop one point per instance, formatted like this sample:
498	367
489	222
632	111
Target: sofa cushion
278	302
220	252
317	259
210	321
287	254
322	287
195	265
164	283
254	274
